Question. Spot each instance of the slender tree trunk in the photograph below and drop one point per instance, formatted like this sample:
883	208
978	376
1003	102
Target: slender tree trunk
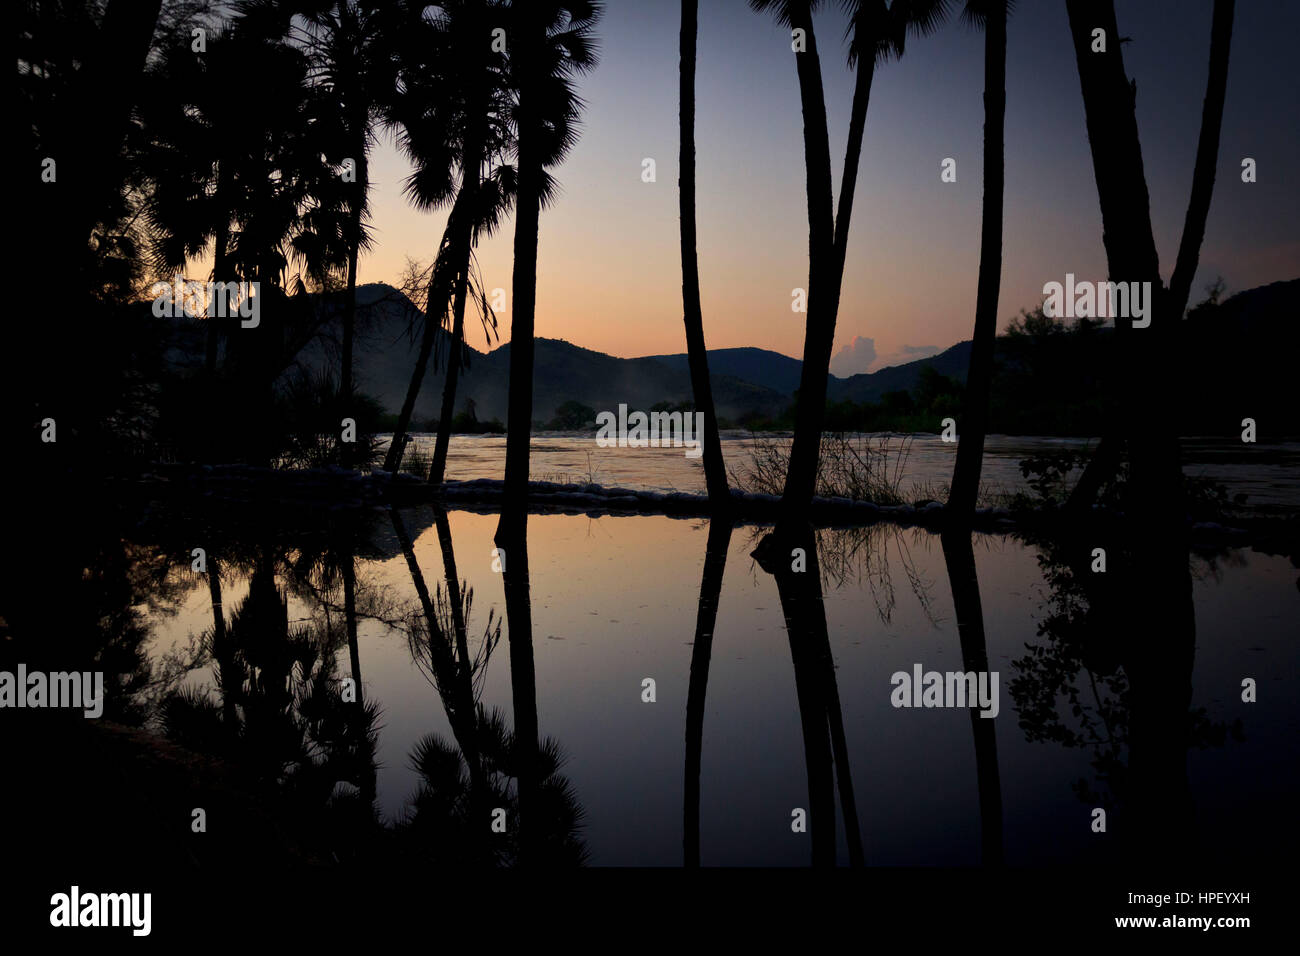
439	466
825	745
801	476
979	378
220	268
463	237
519	422
367	780
1207	157
349	574
453	587
431	325
715	566
462	713
715	472
523	685
959	556
221	649
810	688
852	158
350	302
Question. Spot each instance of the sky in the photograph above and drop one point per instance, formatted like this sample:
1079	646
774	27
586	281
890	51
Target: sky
609	268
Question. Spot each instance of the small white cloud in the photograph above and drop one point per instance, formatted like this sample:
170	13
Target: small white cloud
854	358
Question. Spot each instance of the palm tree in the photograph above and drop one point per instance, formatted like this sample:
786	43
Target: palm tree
715	472
992	16
349	68
959	557
715	566
193	163
826	751
551	42
454	124
876	32
1109	100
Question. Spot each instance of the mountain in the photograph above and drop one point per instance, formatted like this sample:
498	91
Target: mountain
385	357
1219	343
770	369
781	372
872	386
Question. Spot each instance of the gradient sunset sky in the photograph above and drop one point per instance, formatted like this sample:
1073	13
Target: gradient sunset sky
609	273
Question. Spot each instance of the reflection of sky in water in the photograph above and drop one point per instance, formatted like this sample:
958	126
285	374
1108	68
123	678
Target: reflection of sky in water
614	601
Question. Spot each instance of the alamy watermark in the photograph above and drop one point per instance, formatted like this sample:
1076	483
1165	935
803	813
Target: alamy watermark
224	300
651	430
1098	300
950	689
25	688
75	908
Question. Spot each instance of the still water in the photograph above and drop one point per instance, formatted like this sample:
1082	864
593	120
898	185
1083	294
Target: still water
1268	473
615	602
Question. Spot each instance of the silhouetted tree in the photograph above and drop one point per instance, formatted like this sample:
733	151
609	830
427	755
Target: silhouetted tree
551	42
454	120
715	566
959	557
825	747
1146	381
715	472
992	16
876	32
350	69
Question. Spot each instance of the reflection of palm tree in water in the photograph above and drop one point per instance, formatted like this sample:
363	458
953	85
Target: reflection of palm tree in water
281	717
715	564
819	702
462	784
960	558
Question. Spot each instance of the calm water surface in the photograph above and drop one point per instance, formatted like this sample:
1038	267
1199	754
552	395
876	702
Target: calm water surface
615	600
1267	473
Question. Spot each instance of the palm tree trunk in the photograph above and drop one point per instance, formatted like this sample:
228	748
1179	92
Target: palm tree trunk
524	289
453	589
801	476
431	325
979	378
959	556
439	465
1207	157
220	266
221	649
810	688
367	781
523	684
715	473
349	574
715	566
462	712
350	302
463	236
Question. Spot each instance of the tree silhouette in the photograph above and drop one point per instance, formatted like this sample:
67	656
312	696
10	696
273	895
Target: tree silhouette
715	472
876	31
453	114
992	16
551	42
715	566
1146	381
